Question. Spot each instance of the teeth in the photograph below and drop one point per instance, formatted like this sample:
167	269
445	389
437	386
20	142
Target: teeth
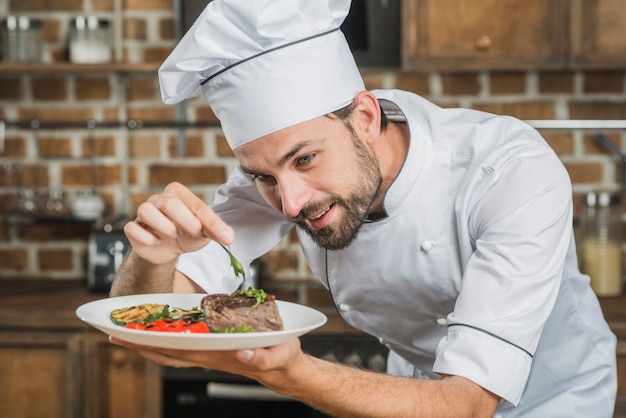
321	214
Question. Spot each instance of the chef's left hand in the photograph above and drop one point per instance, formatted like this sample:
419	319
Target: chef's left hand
257	363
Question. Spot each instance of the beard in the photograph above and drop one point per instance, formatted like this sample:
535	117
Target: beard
356	204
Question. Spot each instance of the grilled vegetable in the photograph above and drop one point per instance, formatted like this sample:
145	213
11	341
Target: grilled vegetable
146	312
193	313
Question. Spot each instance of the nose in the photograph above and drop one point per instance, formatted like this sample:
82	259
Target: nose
294	194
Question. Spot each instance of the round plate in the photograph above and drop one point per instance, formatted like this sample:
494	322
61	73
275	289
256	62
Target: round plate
297	319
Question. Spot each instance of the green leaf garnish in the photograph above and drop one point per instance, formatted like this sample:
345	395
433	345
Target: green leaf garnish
258	294
236	264
237	329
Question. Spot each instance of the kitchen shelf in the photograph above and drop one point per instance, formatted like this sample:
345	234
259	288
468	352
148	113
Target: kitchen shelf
67	67
29	220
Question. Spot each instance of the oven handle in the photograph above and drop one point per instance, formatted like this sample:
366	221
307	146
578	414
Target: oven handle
244	392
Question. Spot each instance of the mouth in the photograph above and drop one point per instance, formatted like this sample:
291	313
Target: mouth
321	219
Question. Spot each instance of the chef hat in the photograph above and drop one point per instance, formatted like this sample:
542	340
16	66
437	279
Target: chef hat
264	65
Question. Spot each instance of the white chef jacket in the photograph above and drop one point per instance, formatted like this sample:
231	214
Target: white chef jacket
473	272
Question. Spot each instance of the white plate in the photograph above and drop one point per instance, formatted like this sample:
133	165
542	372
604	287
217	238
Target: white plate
298	320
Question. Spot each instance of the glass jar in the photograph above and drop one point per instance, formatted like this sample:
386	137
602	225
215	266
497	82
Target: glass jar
55	204
601	240
21	39
90	40
87	205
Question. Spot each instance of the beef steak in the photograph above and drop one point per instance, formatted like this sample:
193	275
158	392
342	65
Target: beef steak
224	311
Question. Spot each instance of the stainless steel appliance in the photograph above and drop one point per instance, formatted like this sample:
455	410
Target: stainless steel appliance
107	247
201	392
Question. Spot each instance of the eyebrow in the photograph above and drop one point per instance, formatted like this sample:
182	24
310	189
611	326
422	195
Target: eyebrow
283	160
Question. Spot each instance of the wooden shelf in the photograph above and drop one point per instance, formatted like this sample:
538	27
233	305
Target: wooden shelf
66	67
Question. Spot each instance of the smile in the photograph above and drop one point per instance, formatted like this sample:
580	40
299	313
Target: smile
321	214
321	219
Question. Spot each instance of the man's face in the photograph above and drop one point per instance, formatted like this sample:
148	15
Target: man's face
319	174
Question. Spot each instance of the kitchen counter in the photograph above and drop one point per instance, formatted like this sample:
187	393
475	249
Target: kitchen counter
43	304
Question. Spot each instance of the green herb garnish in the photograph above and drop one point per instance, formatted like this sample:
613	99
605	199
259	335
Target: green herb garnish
258	294
237	329
236	264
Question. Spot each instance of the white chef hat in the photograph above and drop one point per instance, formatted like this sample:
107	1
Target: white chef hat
264	65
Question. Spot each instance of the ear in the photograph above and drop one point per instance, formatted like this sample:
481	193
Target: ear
367	116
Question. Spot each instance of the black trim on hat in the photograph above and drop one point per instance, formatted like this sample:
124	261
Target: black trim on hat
267	52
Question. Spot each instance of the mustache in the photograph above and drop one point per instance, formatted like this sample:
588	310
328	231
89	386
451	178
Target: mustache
311	210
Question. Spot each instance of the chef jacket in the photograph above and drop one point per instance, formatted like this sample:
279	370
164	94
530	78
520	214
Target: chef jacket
473	272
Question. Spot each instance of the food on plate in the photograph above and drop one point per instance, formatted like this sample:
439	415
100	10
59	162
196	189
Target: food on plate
159	317
186	325
146	312
250	310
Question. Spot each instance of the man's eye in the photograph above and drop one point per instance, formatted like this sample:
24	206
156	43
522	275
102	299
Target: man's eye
305	159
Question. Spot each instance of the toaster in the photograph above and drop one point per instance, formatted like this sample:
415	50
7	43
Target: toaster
107	247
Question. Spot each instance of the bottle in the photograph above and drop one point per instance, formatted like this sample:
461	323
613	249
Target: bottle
22	39
602	242
90	40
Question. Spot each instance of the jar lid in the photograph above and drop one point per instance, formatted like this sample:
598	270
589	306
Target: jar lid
602	199
20	23
89	23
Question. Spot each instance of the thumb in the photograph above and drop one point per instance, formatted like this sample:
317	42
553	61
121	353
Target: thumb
245	356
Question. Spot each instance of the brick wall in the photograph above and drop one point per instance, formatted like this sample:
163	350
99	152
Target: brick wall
131	163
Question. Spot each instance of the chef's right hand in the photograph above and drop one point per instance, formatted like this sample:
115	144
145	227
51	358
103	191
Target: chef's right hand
173	222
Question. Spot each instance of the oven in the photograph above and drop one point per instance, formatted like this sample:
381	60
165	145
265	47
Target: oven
212	393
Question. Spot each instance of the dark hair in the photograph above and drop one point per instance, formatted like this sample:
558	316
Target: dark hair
345	112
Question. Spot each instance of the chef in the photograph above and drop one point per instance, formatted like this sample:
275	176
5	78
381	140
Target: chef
446	233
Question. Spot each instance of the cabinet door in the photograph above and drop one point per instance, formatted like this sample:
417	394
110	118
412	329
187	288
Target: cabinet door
40	375
119	382
598	34
484	34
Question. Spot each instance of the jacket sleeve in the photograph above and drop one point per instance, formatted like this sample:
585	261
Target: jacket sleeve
520	218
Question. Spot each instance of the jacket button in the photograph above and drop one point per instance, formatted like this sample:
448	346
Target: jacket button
426	245
344	307
442	321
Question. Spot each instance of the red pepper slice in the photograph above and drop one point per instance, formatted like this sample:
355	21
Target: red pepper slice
182	325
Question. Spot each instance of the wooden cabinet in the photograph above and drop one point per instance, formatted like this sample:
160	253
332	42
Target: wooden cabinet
513	34
41	374
598	34
55	366
483	34
120	383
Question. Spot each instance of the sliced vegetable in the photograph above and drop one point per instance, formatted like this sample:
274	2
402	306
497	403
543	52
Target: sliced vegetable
146	312
194	313
183	325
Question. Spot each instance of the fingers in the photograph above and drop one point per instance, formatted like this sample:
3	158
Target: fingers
175	214
254	363
194	216
182	358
